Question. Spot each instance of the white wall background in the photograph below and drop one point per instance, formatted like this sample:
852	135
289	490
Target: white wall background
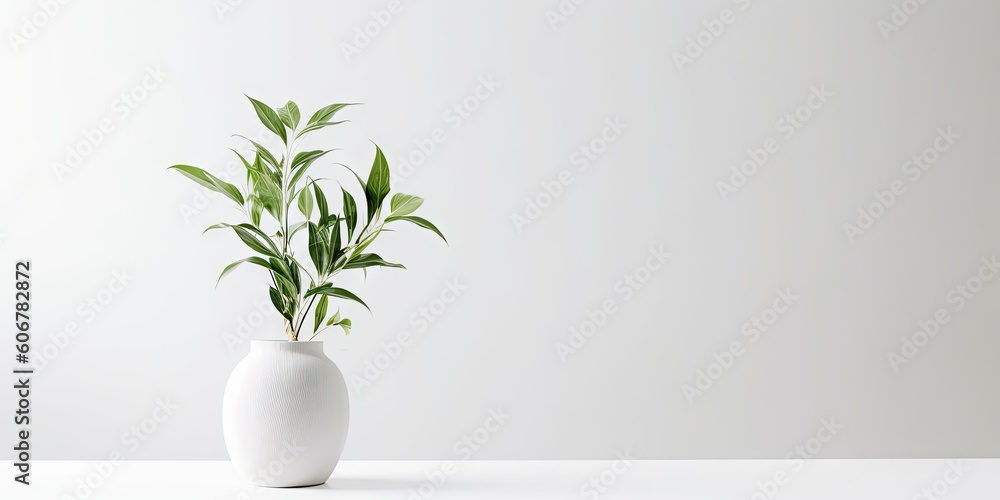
163	337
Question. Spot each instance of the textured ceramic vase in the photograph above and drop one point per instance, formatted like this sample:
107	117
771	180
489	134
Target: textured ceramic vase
285	414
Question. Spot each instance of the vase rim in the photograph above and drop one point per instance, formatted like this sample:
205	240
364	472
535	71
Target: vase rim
315	346
288	341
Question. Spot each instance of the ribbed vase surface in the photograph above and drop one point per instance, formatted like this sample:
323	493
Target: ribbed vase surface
285	414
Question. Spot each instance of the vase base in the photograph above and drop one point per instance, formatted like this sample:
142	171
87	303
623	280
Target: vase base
261	485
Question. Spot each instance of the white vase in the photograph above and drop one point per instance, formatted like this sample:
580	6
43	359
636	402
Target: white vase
285	414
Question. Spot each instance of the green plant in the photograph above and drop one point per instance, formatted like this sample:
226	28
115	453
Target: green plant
336	241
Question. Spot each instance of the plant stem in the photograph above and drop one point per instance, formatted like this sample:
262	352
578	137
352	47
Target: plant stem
286	202
285	198
317	332
305	314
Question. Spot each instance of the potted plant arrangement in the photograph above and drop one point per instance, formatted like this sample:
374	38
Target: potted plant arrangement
286	401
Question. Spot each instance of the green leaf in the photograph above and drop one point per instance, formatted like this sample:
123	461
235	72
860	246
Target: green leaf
280	267
268	192
251	241
345	324
244	227
377	186
296	276
256	208
317	126
296	228
253	238
321	311
350	213
369	260
321	205
296	177
242	159
284	276
335	318
269	118
328	289
334	249
279	303
356	176
325	113
301	164
405	204
363	244
211	182
289	114
264	153
318	247
305	158
424	223
276	299
246	163
306	202
231	267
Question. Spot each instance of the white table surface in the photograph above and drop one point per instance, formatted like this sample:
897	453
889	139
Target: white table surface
674	479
